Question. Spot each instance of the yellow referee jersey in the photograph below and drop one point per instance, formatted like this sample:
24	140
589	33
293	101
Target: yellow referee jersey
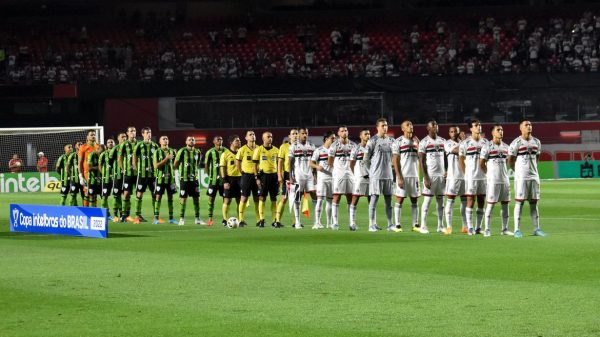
244	155
266	158
227	161
284	154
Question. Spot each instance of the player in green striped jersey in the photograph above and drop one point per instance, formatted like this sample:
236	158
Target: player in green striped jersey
125	156
117	173
142	161
73	169
63	173
106	171
164	175
94	175
187	162
211	168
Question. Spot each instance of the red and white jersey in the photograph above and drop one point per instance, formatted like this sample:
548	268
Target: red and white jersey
454	171
321	157
341	158
496	156
526	153
433	149
361	167
302	154
471	150
407	149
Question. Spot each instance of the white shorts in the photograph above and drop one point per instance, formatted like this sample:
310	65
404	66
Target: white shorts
455	187
324	188
381	187
306	185
438	184
497	193
411	188
361	187
342	185
474	187
527	189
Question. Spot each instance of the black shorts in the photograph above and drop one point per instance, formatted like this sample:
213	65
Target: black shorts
93	189
160	189
117	187
144	183
248	185
65	188
234	188
74	188
269	185
128	183
212	190
286	178
106	188
189	188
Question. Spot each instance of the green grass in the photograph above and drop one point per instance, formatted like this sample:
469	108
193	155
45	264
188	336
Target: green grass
167	280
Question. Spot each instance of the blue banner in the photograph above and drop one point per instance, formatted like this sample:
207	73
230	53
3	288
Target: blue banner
62	220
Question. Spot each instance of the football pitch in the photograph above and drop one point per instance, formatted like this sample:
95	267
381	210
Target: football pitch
167	280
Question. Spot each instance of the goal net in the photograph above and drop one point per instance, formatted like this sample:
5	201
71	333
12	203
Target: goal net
28	142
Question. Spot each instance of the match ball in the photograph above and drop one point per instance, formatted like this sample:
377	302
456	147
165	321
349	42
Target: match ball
233	222
18	163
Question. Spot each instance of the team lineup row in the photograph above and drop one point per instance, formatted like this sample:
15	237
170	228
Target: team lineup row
473	169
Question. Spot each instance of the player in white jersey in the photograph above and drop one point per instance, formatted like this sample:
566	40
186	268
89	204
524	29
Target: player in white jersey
301	172
360	166
494	164
523	157
379	156
469	154
432	159
455	181
406	166
339	161
319	162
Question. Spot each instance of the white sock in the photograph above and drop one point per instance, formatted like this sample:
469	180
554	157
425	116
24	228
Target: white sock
414	209
439	203
297	212
488	215
397	214
388	209
469	214
372	209
479	216
353	215
463	211
318	211
334	214
517	216
535	217
424	210
504	215
449	211
328	212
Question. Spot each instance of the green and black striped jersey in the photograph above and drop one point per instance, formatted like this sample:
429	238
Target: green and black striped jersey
166	173
126	152
72	163
189	161
61	169
143	152
106	163
117	173
211	163
93	175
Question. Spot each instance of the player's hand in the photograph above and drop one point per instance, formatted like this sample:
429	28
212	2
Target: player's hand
427	182
320	168
258	184
226	186
400	182
415	139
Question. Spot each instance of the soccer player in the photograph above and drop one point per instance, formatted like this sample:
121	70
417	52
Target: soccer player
523	157
265	174
283	172
231	175
360	167
142	160
94	176
300	171
432	159
211	168
379	155
164	175
494	164
125	158
117	174
406	167
106	173
469	156
187	162
82	154
455	182
339	161
73	168
247	182
320	162
63	173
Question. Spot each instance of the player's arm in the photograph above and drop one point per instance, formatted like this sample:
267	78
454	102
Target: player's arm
80	159
512	155
223	170
461	163
292	162
423	164
485	155
280	165
100	159
90	162
238	160
120	157
398	170
177	159
483	165
208	158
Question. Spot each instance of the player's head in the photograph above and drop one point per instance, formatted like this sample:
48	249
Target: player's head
302	134
475	127
462	135
497	132
407	128
190	141
78	145
146	134
267	138
342	132
91	136
453	132
15	156
68	148
382	126
328	138
250	136
218	141
293	136
110	143
122	137
131	133
164	141
365	135
234	142
432	127
525	127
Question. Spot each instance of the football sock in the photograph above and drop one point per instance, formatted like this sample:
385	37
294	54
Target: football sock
63	200
479	216
469	214
353	214
397	214
439	203
297	212
504	215
153	200
517	216
280	206
211	207
449	211
463	211
196	207
182	213
318	210
157	207
372	209
225	210
334	213
274	210
241	209
127	206
488	215
73	200
424	209
414	209
117	204
257	209
95	202
261	209
535	217
328	211
105	203
388	209
170	207
138	206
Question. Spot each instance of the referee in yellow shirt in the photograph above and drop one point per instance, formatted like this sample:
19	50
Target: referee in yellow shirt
265	173
283	172
248	181
231	175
